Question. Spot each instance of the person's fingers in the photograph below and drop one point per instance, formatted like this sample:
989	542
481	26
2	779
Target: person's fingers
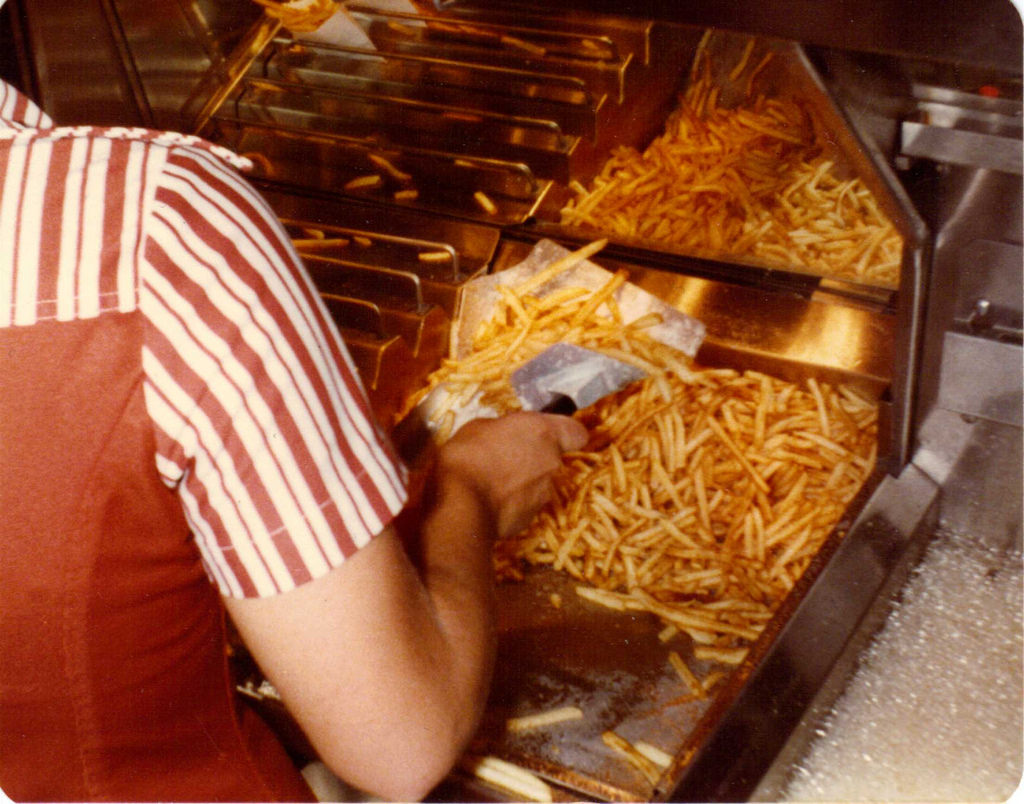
569	433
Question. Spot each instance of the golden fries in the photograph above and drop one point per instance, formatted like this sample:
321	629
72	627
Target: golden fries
525	324
319	242
703	493
388	167
723	655
638	759
367	181
704	511
660	758
435	256
509	776
485	203
549	717
685	673
748	182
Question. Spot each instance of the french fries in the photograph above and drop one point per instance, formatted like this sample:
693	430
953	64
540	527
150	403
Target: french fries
704	511
748	182
509	776
388	167
638	759
435	256
319	242
660	758
485	203
524	325
367	181
686	674
704	493
723	655
549	717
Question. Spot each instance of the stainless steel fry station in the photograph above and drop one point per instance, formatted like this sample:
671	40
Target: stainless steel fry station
431	145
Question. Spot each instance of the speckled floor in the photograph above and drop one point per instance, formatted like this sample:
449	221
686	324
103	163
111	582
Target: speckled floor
934	712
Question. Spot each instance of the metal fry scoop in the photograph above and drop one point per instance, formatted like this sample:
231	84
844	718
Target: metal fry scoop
566	377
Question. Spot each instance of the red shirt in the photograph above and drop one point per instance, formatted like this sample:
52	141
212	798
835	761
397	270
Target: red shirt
262	426
175	407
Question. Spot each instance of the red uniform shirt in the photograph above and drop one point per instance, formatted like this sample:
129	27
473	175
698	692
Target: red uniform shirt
174	404
262	427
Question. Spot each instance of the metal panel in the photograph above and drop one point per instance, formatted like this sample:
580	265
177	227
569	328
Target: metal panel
985	33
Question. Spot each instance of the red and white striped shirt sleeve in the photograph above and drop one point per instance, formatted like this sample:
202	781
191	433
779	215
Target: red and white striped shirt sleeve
17	111
262	425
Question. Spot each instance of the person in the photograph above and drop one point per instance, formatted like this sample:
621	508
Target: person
183	439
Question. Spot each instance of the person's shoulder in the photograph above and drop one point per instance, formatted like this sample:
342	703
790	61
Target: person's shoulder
205	155
171	141
193	144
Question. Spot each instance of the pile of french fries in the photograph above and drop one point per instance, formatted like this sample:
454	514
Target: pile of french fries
750	181
705	499
524	324
704	493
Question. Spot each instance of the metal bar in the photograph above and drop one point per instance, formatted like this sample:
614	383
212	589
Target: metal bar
220	83
961	147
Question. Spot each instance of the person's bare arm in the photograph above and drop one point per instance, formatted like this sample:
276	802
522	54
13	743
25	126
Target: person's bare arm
386	666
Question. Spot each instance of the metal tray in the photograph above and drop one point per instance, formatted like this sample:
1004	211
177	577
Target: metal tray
612	664
788	75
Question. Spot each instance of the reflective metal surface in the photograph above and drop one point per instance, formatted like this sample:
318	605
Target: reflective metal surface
985	33
476	114
613	665
899	85
391	283
775	701
974	466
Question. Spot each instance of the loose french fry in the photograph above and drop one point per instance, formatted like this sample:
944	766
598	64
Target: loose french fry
309	243
632	755
389	167
485	203
724	655
434	256
660	758
685	673
666	633
509	776
567	262
366	182
549	717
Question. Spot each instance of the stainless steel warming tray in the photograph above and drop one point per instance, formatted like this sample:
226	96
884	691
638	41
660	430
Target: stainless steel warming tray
612	665
510	104
496	115
733	81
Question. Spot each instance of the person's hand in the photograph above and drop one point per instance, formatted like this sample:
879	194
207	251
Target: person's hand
509	462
